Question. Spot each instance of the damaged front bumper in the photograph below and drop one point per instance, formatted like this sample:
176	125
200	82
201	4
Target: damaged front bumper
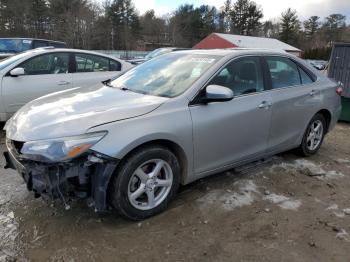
86	177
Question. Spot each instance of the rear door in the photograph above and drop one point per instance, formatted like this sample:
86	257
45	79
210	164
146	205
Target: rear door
229	132
92	69
295	98
44	74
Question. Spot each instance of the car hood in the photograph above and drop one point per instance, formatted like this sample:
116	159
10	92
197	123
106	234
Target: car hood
74	111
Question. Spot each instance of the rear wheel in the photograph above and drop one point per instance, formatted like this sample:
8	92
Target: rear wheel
313	136
145	183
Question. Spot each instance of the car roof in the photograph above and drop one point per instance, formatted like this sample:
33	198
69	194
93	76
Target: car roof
49	49
233	51
29	38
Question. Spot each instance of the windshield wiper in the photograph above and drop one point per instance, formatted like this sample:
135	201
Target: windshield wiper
124	88
107	83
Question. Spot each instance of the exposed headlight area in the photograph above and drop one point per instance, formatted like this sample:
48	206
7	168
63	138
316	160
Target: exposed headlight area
60	149
64	167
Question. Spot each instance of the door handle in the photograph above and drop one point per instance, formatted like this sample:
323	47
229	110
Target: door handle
265	105
63	83
312	93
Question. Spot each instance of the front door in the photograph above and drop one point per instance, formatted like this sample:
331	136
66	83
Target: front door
225	133
44	74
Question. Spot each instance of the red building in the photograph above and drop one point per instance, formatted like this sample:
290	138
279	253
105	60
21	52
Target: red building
216	40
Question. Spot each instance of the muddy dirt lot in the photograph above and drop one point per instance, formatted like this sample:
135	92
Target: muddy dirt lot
283	209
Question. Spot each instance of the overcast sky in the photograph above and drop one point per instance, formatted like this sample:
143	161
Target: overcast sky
272	8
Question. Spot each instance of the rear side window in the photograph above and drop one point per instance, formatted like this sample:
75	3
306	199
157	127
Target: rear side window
305	78
243	76
114	65
284	72
91	63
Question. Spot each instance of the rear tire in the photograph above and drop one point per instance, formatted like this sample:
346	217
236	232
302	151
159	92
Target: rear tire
313	137
145	182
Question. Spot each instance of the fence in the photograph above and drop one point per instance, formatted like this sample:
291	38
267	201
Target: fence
124	54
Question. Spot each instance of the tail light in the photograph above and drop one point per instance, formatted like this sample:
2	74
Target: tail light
339	90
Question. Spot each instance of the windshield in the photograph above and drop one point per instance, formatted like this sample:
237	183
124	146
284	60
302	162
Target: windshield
14	45
10	60
168	76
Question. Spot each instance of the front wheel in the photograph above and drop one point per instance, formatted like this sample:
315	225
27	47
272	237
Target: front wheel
313	136
145	183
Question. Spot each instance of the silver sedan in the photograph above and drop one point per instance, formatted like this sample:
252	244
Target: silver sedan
130	142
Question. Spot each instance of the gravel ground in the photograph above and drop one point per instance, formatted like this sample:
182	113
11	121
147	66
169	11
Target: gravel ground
283	209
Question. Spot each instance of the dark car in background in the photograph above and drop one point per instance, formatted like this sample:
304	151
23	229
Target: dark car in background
12	46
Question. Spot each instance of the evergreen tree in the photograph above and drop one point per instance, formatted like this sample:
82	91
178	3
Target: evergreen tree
334	27
125	23
245	17
290	26
39	18
311	26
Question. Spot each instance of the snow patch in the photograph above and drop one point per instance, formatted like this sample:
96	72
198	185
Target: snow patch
229	201
332	207
246	194
283	201
311	168
343	161
346	211
343	235
8	233
338	212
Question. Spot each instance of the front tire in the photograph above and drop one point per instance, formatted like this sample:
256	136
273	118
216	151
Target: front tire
313	136
145	182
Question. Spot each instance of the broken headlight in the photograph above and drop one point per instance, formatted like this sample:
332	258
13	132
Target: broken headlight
60	149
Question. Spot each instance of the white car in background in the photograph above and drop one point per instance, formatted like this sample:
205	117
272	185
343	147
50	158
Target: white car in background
35	73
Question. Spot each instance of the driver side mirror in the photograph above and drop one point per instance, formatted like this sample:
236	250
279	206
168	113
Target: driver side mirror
19	71
216	93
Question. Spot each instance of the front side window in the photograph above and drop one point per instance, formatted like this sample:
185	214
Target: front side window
283	71
168	75
91	63
10	60
54	63
243	76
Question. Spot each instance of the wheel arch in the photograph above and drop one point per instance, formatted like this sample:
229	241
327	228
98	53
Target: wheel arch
327	116
174	147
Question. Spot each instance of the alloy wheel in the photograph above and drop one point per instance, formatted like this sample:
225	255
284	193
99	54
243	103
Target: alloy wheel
315	135
150	184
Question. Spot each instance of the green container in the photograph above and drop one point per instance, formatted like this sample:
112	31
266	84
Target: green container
345	114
